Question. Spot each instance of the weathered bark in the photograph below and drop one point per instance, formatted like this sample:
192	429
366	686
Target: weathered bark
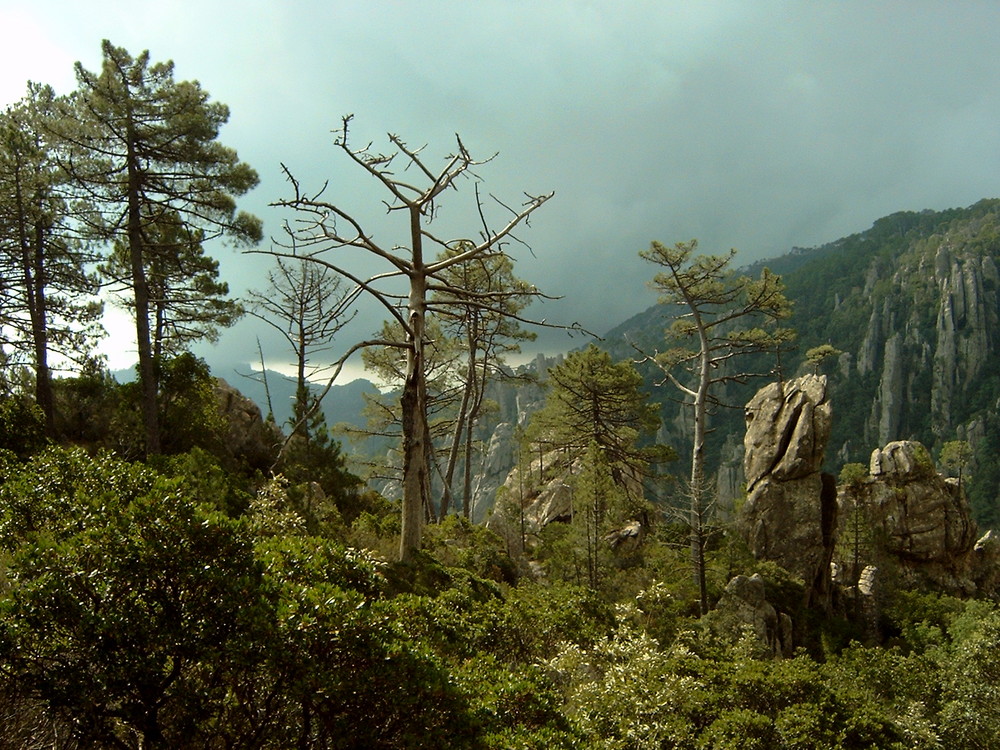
716	301
418	203
697	512
698	489
416	468
32	269
467	482
34	273
460	428
416	479
140	289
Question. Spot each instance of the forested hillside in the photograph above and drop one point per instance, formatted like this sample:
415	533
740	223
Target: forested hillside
913	304
912	308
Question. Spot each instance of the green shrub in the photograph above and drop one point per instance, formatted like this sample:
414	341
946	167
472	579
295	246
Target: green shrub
22	425
134	613
852	474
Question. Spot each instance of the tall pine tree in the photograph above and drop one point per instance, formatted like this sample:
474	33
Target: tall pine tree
593	401
723	317
49	295
480	303
154	162
187	301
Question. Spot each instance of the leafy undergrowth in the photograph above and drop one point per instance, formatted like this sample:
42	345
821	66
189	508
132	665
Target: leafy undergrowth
137	610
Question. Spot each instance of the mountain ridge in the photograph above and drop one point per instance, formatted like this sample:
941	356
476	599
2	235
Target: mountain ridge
913	306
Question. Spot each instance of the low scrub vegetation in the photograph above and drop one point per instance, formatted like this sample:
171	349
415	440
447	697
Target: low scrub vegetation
187	605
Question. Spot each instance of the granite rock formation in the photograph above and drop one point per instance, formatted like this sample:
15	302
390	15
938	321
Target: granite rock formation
744	604
789	516
921	520
250	439
543	495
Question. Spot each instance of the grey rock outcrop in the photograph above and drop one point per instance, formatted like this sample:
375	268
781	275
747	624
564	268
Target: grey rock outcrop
922	520
516	397
967	315
250	438
627	538
744	604
986	564
501	455
891	389
790	513
525	503
930	333
787	428
543	495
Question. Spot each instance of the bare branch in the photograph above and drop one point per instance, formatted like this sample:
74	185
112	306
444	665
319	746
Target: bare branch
338	367
531	205
361	285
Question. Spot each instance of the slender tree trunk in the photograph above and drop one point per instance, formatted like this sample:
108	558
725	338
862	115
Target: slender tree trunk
32	269
416	482
471	421
306	729
698	474
152	734
38	309
416	452
301	390
429	511
460	428
159	327
467	480
140	289
263	377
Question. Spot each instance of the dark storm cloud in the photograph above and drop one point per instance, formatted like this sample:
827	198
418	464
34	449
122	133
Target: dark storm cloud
754	125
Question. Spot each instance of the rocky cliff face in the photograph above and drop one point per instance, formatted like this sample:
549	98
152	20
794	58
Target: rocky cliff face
966	327
914	305
902	522
516	400
932	329
743	604
250	439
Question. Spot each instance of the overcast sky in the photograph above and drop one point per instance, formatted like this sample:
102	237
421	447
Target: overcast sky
757	125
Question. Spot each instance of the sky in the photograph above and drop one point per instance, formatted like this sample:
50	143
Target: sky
758	125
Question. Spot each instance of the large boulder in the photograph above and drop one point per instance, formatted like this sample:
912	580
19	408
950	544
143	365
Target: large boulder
789	516
788	425
525	503
541	492
902	461
250	439
744	605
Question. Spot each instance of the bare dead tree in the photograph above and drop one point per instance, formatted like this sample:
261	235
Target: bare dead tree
325	233
479	305
308	305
